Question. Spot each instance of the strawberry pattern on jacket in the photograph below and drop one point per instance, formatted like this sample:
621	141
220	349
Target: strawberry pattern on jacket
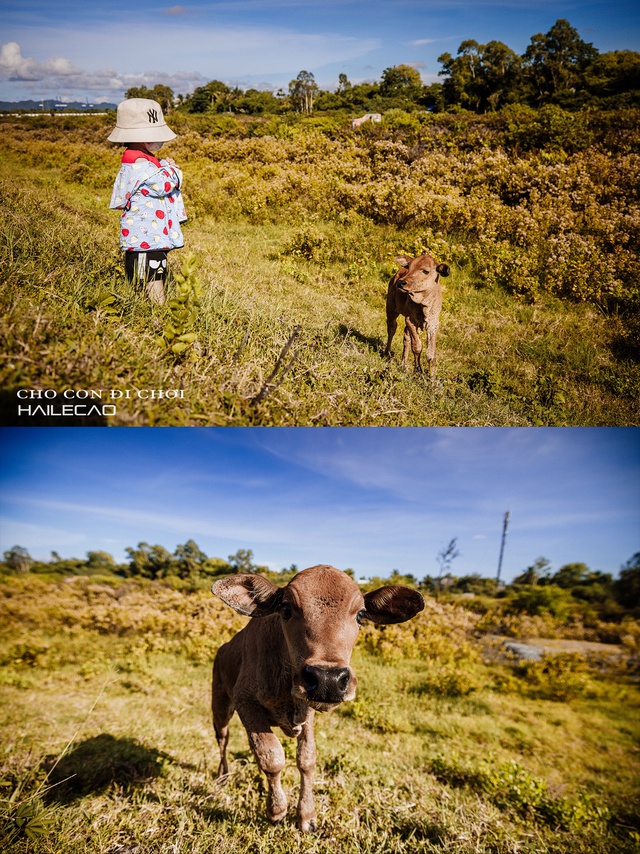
147	191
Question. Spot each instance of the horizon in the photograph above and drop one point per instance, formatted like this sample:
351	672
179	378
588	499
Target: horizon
79	52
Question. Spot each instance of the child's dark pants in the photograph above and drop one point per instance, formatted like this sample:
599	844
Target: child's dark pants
148	269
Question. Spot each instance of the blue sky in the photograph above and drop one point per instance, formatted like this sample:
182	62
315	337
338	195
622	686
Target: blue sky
79	50
373	499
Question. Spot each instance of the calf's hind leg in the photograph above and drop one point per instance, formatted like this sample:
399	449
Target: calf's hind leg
392	325
222	712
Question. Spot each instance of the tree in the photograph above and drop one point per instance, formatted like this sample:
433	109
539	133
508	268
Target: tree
461	72
480	77
470	52
570	575
303	91
555	63
99	561
627	585
365	96
149	561
401	81
433	97
343	84
615	76
208	98
189	559
214	566
445	558
476	584
500	73
242	561
162	94
18	559
539	571
255	102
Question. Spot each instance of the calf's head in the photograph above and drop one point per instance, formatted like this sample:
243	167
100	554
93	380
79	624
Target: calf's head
418	275
321	610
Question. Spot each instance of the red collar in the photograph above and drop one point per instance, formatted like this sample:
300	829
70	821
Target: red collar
130	155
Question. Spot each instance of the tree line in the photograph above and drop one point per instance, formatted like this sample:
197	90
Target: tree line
537	589
153	562
558	67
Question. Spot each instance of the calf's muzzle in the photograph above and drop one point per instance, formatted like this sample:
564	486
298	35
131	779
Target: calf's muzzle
326	684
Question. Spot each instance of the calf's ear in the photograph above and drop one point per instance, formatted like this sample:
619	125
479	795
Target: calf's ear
443	269
251	595
402	260
393	604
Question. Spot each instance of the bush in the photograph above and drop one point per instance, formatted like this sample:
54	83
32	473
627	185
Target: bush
560	677
539	600
512	787
450	680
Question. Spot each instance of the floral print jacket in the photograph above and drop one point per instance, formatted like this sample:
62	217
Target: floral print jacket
147	191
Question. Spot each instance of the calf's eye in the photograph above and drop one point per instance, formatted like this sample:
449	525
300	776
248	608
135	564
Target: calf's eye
361	617
285	610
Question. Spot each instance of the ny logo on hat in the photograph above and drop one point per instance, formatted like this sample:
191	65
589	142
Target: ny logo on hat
153	116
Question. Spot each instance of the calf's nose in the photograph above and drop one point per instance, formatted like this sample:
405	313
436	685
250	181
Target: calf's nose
326	684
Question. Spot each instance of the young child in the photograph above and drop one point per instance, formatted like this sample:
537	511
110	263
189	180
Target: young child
147	191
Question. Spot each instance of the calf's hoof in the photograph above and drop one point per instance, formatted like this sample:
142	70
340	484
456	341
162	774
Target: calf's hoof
308	825
276	808
277	814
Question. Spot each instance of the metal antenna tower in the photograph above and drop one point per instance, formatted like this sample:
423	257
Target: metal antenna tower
504	537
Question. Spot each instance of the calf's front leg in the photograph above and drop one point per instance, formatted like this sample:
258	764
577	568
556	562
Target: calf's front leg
412	343
269	755
306	762
432	334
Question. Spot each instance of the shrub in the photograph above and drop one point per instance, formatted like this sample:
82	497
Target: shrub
539	600
510	786
560	676
450	680
396	119
440	632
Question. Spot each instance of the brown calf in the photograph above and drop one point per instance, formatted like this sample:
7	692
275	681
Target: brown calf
292	662
415	292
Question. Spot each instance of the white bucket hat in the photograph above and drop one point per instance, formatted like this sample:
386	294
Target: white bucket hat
140	120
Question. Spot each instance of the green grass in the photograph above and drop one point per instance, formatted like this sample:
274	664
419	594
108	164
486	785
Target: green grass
71	322
108	745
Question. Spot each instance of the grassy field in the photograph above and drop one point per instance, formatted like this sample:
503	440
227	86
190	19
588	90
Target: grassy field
293	235
108	745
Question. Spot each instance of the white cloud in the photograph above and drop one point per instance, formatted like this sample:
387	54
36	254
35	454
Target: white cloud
15	66
59	75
